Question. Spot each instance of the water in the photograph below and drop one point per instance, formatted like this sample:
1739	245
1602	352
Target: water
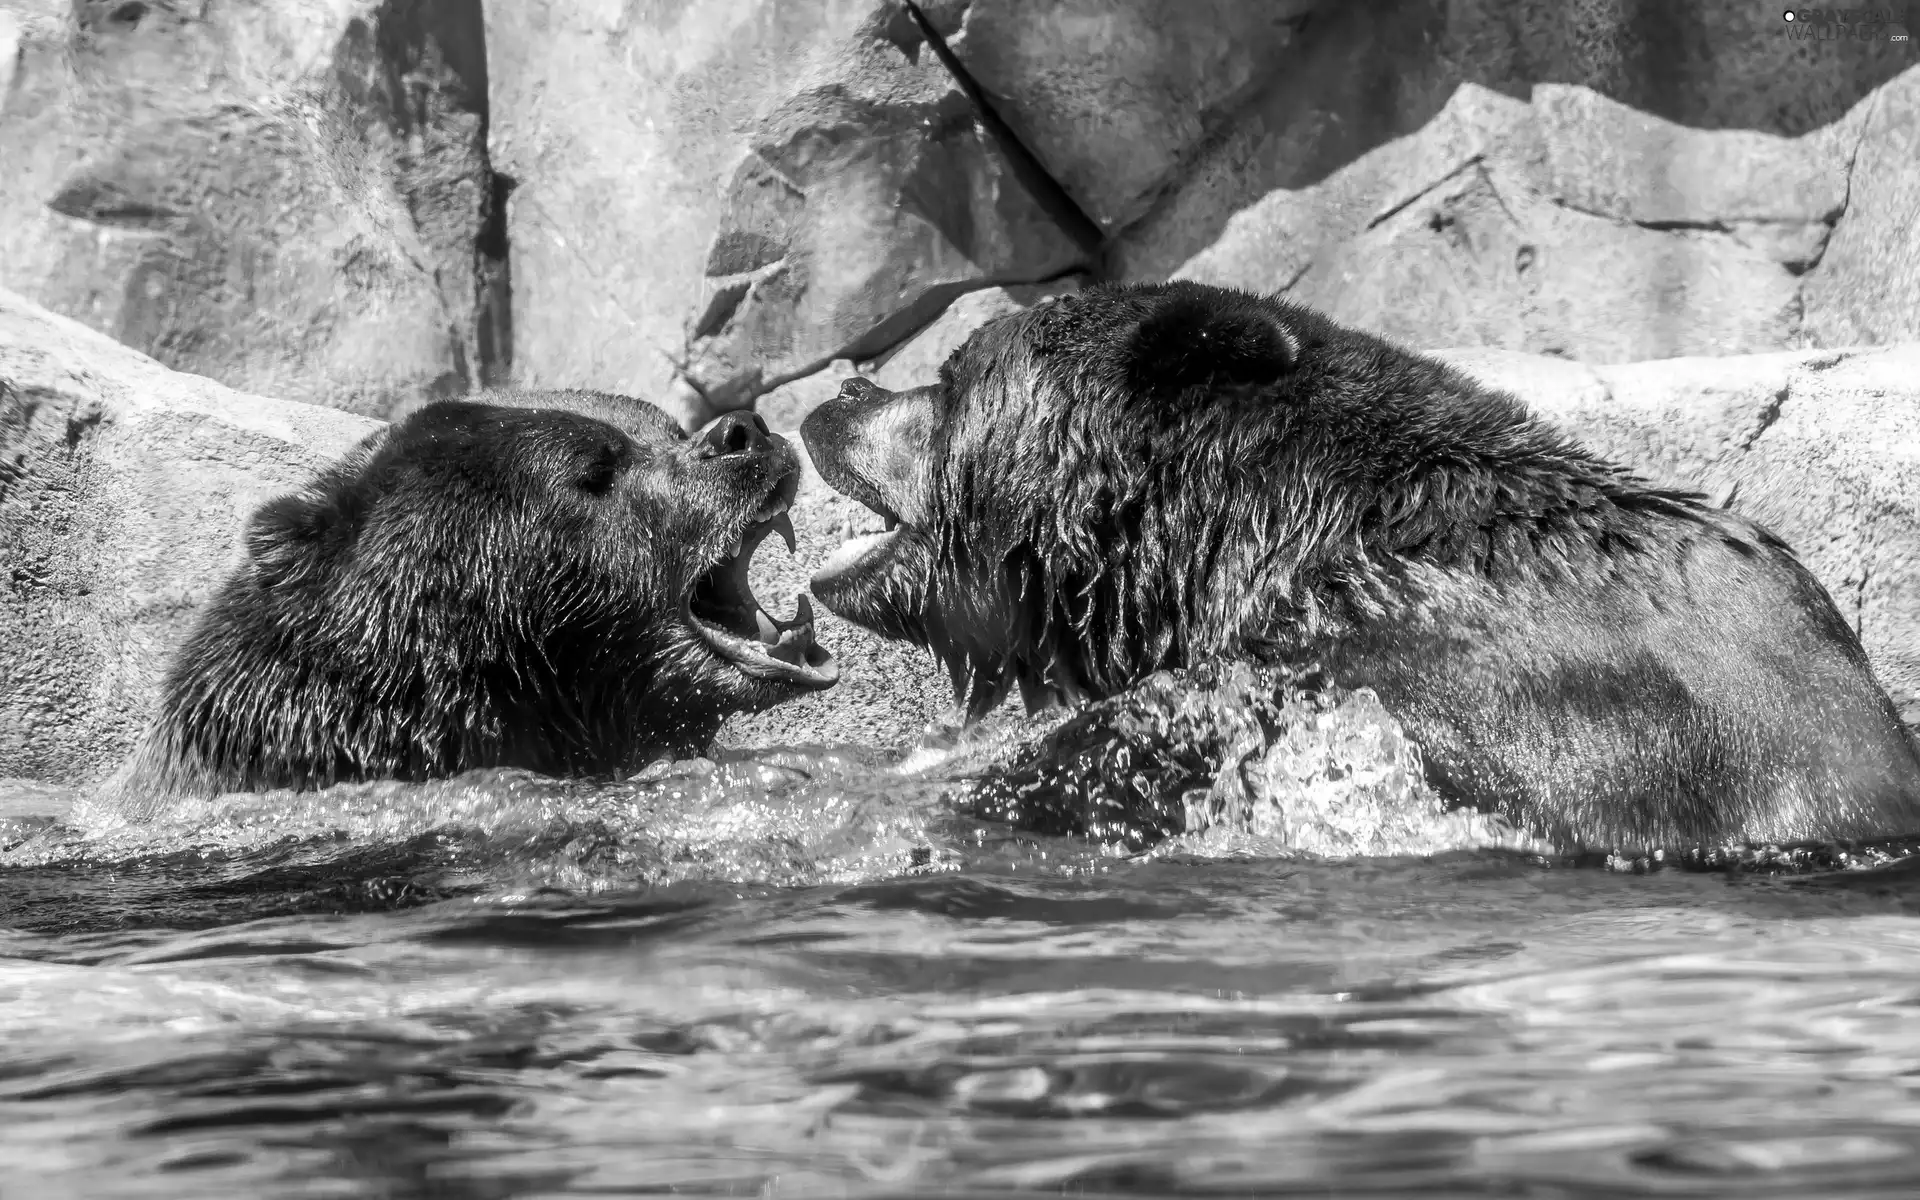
813	973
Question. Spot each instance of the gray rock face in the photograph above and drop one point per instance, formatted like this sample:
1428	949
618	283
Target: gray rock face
621	128
1117	97
1821	446
286	199
732	197
1574	226
124	487
1362	75
1866	288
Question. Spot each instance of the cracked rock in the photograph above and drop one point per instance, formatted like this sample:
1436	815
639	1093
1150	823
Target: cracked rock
284	201
123	496
1530	227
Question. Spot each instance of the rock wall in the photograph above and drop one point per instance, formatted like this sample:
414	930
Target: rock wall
289	198
370	203
123	490
1571	225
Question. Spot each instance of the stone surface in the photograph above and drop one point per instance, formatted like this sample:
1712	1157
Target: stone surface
1866	288
1822	446
1116	96
1610	160
1570	226
286	198
736	195
123	489
787	405
1363	74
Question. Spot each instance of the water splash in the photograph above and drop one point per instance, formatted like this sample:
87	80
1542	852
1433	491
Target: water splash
1230	759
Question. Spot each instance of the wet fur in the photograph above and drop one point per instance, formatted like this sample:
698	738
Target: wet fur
1146	477
479	585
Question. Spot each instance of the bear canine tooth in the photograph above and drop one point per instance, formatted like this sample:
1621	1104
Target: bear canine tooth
783	525
768	631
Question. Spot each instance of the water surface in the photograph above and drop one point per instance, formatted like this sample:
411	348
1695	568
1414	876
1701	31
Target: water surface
806	973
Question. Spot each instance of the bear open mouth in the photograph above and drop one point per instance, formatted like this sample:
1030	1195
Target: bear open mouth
722	611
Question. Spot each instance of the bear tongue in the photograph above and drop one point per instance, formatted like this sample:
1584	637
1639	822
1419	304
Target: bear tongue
780	634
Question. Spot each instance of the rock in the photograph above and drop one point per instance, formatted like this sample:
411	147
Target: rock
620	129
787	405
1270	244
868	200
1527	227
1361	75
1116	97
123	489
285	199
1610	160
737	196
1866	288
1821	446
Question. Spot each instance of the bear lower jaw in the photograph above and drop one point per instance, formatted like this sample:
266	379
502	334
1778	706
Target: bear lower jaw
723	614
780	652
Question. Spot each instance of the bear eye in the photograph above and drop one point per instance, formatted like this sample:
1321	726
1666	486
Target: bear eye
601	466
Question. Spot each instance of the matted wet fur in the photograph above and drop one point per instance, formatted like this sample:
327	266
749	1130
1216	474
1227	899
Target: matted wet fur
1142	477
511	583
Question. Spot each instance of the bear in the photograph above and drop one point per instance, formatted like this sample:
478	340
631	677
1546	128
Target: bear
555	581
1148	477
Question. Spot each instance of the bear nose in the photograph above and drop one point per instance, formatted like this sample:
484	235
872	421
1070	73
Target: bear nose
740	432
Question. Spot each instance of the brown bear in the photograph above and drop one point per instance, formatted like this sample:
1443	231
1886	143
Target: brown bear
552	581
1155	476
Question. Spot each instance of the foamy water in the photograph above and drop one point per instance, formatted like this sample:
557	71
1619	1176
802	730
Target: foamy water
821	973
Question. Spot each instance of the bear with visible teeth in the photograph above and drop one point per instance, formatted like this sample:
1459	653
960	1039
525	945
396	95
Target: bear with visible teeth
1148	477
551	581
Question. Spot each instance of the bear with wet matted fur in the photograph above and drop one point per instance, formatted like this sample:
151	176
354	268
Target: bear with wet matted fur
552	581
1144	477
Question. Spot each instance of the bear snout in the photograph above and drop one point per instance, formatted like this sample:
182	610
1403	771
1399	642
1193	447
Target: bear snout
741	432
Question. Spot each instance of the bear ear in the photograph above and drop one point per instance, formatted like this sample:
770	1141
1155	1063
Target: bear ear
1196	337
283	539
602	461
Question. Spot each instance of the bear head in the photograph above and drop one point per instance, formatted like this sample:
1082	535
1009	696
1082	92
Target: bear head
548	581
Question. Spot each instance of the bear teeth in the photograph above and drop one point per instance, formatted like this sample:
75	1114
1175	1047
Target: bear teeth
783	525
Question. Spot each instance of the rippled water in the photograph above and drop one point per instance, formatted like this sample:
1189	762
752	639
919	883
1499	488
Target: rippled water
809	974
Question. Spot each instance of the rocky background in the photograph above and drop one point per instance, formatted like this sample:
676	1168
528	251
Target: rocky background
364	206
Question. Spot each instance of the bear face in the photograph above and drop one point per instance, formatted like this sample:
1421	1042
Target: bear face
1148	477
548	581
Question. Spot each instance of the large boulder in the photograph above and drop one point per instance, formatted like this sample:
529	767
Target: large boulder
124	487
1361	75
1866	288
292	199
715	201
1821	446
1572	225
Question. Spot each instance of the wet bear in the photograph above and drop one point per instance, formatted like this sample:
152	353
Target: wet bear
552	581
1148	477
